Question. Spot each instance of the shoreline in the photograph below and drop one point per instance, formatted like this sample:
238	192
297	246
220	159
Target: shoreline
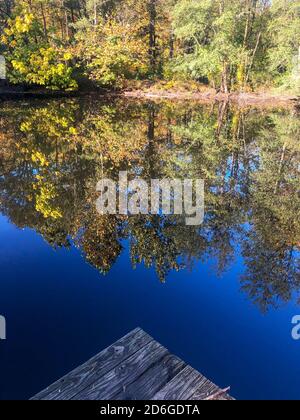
242	99
264	99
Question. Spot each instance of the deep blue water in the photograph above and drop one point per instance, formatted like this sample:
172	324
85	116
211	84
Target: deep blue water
221	295
60	311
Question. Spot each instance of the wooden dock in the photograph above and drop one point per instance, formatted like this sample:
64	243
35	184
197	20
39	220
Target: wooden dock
134	368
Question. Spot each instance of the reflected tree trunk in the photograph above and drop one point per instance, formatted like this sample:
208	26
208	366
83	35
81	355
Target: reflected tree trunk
281	166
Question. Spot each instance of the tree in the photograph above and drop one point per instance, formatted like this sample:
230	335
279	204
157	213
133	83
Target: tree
110	52
284	53
32	59
220	40
228	44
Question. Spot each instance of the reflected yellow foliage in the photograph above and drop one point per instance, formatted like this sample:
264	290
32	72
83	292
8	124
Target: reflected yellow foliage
52	156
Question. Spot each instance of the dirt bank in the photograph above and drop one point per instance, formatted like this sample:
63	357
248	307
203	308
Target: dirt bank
242	99
259	99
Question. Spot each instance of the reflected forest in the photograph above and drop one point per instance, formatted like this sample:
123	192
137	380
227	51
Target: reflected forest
53	153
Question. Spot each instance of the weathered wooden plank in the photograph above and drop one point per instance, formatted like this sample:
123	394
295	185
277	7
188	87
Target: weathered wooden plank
204	390
183	386
112	383
221	394
85	375
154	379
134	368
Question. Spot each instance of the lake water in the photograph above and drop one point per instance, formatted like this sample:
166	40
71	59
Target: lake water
221	295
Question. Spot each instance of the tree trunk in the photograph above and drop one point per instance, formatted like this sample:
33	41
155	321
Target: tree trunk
95	13
171	42
67	24
281	166
152	34
253	58
224	79
44	22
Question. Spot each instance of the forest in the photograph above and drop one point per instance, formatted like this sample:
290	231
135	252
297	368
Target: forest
227	45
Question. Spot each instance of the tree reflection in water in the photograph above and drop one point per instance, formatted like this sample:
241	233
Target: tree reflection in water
52	155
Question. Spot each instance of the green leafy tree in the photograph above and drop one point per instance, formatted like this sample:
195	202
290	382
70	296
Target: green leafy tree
33	60
220	40
284	53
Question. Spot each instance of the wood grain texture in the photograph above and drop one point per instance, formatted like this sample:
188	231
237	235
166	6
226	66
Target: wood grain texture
134	368
83	376
204	390
111	384
183	386
153	379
